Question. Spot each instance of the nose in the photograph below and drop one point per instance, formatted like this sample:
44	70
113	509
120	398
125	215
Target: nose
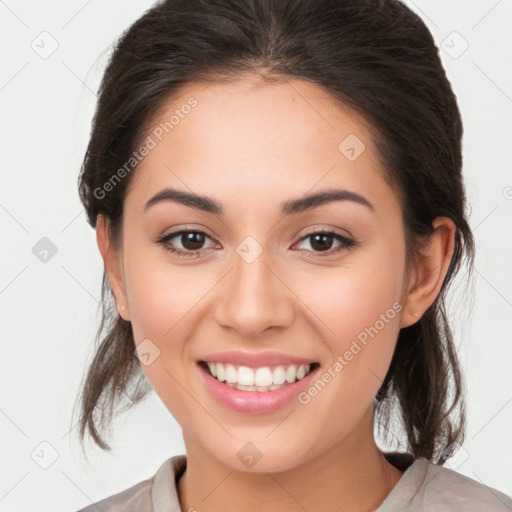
254	298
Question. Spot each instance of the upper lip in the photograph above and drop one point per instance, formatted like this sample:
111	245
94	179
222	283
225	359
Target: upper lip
255	359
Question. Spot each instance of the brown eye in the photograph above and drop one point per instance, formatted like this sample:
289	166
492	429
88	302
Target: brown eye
323	241
192	240
185	243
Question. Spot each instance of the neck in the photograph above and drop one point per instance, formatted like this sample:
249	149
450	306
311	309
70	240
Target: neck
352	476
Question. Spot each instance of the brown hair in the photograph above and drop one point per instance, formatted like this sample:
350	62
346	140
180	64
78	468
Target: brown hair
375	56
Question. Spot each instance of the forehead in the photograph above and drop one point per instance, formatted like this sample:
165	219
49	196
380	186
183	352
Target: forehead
275	139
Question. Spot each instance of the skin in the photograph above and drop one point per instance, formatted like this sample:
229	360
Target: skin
251	145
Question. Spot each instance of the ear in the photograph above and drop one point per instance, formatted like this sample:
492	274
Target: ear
112	267
431	269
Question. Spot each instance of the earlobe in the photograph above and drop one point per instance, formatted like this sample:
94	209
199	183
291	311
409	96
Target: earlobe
112	268
431	268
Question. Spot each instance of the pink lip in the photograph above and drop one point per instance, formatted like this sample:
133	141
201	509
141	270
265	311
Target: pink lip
255	402
254	360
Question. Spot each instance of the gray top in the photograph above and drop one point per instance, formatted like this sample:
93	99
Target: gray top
424	487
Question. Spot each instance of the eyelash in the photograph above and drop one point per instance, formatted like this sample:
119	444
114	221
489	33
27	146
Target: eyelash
346	243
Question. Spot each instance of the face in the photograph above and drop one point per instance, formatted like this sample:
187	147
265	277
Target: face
263	282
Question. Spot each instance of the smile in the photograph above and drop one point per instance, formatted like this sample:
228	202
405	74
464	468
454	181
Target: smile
265	378
257	389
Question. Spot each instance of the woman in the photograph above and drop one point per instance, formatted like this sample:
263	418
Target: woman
277	194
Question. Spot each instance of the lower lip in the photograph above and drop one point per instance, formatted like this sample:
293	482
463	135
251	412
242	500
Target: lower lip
255	402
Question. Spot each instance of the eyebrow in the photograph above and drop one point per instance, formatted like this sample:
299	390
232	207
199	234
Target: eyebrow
290	207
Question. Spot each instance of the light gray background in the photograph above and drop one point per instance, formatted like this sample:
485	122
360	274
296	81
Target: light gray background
49	310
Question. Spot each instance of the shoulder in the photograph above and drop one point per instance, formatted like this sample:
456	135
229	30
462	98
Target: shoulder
425	486
137	496
459	492
148	494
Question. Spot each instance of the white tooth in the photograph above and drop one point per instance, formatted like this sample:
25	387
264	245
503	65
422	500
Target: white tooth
263	377
213	370
241	387
221	372
245	376
231	373
279	375
291	373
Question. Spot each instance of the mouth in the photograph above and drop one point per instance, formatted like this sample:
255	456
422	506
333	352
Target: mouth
257	379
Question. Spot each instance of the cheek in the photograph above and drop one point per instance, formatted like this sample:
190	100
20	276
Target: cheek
345	301
165	301
357	308
161	299
359	314
160	295
162	304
